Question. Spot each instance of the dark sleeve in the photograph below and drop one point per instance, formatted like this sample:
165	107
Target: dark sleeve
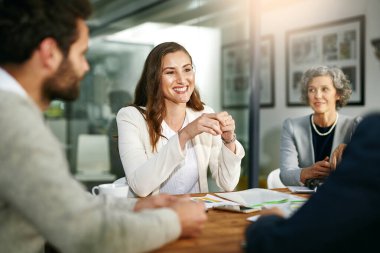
255	234
343	216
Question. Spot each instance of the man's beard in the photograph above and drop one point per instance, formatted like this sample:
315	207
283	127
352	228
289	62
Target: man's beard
63	85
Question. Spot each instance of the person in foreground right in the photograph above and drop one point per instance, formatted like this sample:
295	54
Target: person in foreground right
343	216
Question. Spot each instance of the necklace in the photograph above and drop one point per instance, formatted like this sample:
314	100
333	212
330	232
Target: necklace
328	132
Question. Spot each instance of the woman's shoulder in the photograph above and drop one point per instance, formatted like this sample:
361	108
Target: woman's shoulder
298	120
130	112
350	119
298	126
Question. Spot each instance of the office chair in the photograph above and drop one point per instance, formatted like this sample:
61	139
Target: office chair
93	158
274	181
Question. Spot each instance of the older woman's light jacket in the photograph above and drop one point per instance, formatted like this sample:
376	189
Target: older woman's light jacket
296	149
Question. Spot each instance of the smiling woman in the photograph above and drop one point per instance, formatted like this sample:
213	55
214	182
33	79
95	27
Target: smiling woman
177	79
168	138
308	143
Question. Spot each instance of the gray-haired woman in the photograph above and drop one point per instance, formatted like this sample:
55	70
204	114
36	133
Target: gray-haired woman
308	142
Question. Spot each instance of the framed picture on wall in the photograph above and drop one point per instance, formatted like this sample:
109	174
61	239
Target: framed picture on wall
339	43
236	74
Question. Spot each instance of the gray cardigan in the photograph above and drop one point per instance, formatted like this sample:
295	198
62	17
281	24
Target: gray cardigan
40	200
296	150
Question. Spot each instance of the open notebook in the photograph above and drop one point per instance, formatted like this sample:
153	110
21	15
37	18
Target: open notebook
265	198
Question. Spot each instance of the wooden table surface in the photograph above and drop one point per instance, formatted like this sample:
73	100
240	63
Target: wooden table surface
223	232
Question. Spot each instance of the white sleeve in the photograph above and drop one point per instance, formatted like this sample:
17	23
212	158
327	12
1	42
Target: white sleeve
145	170
225	165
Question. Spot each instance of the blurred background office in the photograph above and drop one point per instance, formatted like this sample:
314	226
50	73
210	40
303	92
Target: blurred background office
238	46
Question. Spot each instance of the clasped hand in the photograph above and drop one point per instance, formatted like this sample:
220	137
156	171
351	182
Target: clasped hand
322	169
213	123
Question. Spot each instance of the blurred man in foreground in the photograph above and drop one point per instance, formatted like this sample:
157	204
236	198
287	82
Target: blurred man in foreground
42	57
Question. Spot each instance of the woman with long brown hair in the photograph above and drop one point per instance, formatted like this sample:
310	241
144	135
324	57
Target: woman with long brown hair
168	137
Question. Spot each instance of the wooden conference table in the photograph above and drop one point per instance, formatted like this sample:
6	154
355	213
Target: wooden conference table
223	232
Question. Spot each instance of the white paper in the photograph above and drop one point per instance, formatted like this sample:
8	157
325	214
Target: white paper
258	197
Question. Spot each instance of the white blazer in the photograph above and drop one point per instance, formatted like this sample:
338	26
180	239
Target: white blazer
146	170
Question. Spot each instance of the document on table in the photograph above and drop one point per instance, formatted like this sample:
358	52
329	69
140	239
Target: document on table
265	198
212	201
258	197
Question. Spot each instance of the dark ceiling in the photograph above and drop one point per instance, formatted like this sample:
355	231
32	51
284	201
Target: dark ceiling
111	16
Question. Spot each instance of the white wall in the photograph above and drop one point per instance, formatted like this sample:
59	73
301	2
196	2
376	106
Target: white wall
303	14
202	43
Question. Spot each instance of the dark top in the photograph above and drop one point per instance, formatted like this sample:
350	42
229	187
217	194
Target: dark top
342	216
322	144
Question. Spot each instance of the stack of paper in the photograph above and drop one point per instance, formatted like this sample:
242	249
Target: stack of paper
211	201
258	197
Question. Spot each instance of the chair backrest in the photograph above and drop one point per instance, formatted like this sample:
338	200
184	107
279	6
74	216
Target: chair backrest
274	181
93	154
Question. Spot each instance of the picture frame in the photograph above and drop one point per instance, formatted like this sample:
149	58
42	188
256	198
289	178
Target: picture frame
339	43
236	74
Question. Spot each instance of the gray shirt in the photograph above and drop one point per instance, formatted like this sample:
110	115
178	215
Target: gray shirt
41	201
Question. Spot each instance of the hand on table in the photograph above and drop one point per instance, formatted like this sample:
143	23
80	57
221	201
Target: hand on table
192	216
156	201
319	169
272	211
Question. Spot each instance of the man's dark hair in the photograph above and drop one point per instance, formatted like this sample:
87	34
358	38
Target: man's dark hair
25	23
